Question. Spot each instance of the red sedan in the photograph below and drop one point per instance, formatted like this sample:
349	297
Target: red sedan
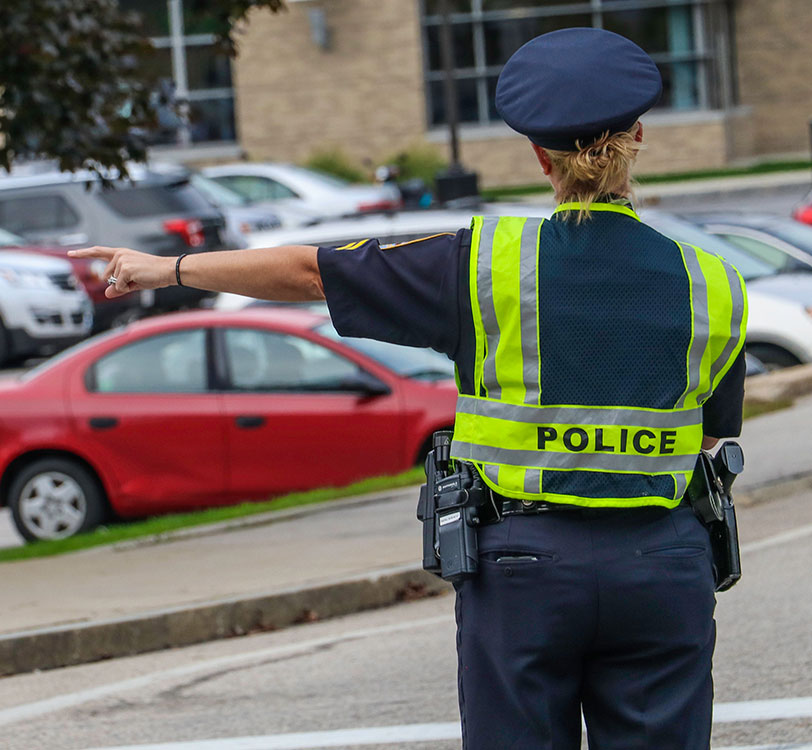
210	408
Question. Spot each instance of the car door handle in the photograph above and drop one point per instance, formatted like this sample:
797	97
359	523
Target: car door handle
102	423
250	423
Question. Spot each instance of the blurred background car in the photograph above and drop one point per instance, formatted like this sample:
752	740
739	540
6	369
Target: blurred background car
803	211
43	307
778	332
298	188
91	275
204	408
778	240
159	213
242	217
245	216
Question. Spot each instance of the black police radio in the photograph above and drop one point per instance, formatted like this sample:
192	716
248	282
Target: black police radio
449	507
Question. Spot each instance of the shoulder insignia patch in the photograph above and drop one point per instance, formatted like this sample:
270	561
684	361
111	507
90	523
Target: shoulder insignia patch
353	245
417	239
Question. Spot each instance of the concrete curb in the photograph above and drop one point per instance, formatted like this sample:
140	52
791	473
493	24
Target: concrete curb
66	645
779	385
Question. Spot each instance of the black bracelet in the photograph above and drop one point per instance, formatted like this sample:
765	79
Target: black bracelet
177	268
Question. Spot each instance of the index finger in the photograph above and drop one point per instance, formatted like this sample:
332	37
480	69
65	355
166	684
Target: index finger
105	253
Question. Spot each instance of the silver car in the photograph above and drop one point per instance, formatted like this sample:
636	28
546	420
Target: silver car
43	307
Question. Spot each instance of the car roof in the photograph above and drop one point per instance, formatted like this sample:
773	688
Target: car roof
737	218
289	317
389	224
38	174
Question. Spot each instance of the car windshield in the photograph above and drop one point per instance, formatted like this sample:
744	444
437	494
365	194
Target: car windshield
407	361
217	193
318	176
682	231
9	239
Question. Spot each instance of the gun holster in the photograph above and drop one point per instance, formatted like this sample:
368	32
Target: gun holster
709	494
449	507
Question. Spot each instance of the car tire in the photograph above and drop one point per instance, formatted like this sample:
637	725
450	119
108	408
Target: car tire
773	357
54	498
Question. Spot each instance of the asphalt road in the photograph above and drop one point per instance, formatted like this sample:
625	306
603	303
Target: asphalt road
386	679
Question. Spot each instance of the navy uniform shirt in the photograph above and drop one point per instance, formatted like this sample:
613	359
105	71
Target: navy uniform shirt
416	293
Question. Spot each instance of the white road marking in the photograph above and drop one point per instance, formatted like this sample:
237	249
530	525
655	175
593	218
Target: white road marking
773	541
355	737
69	700
766	710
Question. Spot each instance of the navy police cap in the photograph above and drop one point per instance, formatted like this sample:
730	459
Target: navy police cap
574	84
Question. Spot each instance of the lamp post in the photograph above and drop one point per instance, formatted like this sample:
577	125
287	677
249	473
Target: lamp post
455	184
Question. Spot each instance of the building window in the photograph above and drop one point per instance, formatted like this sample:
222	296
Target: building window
192	73
688	39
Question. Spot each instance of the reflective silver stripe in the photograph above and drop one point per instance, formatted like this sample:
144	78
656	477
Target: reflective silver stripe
735	329
550	460
532	481
492	472
701	327
486	306
578	414
681	481
528	265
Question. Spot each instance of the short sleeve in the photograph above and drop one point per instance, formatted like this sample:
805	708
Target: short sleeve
405	293
722	412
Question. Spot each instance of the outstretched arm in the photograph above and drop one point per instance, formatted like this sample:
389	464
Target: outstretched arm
287	274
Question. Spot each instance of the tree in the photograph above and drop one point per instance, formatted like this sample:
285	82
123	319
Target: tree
71	84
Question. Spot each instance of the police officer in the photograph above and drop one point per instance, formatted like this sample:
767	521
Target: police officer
595	358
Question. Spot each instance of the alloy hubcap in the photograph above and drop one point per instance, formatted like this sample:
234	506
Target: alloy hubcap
52	505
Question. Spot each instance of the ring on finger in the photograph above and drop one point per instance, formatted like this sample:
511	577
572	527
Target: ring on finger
112	280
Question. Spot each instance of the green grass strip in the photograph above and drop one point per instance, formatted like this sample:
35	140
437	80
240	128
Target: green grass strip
163	524
756	408
502	193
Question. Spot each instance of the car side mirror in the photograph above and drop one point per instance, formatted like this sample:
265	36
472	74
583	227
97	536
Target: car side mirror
365	384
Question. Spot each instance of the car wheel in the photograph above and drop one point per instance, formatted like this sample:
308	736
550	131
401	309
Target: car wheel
773	357
54	498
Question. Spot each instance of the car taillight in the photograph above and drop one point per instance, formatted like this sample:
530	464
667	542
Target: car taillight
384	205
804	214
190	230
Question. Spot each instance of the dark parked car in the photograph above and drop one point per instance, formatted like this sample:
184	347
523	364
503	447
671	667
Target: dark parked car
159	213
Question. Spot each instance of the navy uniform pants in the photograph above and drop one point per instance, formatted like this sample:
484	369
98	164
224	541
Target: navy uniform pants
609	612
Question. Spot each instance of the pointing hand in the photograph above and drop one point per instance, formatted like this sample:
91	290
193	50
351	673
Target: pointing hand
129	270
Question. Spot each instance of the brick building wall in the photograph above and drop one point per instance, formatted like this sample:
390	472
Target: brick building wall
363	95
774	51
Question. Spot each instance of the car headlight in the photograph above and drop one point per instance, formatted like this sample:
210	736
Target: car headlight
98	268
27	279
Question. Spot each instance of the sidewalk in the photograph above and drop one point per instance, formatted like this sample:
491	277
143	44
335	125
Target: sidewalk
305	564
709	188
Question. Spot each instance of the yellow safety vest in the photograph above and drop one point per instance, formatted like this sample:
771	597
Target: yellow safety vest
512	437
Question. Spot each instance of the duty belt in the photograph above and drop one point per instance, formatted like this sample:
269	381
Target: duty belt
508	506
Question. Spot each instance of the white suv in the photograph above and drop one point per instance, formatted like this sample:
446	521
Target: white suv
43	307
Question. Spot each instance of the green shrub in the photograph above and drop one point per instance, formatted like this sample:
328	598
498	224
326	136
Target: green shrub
335	162
421	161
